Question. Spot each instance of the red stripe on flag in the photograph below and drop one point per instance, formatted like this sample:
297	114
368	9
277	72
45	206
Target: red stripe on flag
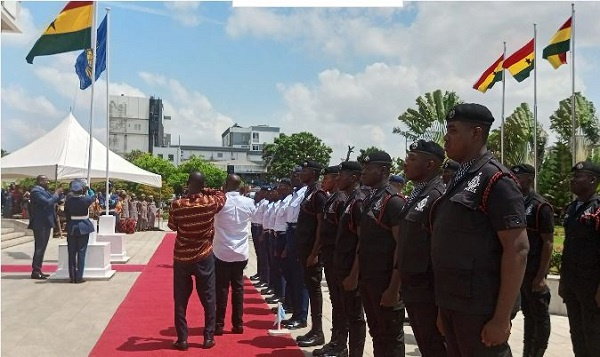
488	72
76	4
519	55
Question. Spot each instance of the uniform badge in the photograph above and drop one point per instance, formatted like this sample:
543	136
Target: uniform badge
421	205
367	158
451	114
473	184
529	210
378	204
579	166
414	146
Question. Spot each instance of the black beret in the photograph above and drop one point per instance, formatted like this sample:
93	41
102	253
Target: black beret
471	112
451	165
297	168
428	147
311	164
331	170
587	166
378	157
396	178
353	166
523	169
285	181
265	188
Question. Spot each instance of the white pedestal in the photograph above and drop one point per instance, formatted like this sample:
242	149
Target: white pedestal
107	224
97	262
117	246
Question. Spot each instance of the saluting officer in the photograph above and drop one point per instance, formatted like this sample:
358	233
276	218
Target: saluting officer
422	167
379	279
345	264
479	242
580	270
328	232
307	245
535	294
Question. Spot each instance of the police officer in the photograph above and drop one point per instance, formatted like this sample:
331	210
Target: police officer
256	230
479	242
345	264
328	232
580	270
422	167
450	167
379	279
535	294
397	181
259	240
307	245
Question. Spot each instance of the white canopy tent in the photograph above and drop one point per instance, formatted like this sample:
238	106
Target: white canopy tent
62	154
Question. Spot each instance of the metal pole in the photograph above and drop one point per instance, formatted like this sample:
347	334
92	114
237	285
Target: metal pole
573	119
107	107
89	167
503	101
535	166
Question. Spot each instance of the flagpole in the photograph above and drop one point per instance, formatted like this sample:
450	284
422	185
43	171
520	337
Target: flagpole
89	167
107	9
535	166
503	101
573	120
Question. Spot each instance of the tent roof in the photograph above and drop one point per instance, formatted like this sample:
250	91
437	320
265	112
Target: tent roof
63	154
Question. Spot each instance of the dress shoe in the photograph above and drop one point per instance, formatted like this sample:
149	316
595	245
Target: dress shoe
38	276
218	330
261	285
255	277
273	300
45	275
294	324
180	345
267	291
79	281
316	339
208	343
306	336
238	330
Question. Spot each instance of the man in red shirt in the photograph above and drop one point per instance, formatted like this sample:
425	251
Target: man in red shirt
192	217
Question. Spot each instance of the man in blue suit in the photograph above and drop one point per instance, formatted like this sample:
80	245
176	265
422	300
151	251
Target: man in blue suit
42	218
79	228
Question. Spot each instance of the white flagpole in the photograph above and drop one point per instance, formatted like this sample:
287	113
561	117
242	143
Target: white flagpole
107	106
573	119
535	106
503	101
89	167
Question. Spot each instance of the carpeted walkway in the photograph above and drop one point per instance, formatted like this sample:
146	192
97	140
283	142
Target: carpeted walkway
143	324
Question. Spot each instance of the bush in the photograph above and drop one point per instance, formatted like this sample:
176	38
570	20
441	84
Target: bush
555	261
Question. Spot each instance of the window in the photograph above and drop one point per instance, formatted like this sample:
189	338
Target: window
171	157
137	126
255	148
161	156
220	155
255	137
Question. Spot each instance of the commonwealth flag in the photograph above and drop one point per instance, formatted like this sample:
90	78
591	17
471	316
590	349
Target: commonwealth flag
520	63
70	31
490	76
83	65
556	51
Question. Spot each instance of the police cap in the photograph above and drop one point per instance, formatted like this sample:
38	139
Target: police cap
523	169
353	166
587	166
312	165
451	165
396	179
378	157
331	170
428	147
471	112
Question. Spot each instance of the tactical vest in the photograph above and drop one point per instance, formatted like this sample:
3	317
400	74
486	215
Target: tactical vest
377	243
347	239
581	252
465	250
331	217
533	204
307	219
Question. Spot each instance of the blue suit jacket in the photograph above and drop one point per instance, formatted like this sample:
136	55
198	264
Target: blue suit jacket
41	208
76	205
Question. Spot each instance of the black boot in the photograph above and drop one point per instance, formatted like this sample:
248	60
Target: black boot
537	352
527	349
328	347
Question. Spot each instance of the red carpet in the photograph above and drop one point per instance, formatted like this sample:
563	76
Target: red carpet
143	324
51	268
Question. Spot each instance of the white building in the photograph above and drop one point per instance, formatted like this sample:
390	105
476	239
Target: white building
10	16
252	138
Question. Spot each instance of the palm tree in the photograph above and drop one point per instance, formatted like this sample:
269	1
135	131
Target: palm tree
428	121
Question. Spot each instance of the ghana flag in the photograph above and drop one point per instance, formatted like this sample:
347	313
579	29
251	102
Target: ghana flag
556	51
490	76
70	31
520	63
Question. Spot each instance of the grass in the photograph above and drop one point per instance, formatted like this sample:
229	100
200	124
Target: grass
559	237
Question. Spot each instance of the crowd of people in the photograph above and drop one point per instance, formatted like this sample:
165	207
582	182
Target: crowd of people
460	255
15	201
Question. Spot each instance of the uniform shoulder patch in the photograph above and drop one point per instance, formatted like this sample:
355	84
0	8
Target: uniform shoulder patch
474	183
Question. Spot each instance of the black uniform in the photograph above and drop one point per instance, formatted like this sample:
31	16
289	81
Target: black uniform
482	199
580	275
414	263
306	230
381	211
534	304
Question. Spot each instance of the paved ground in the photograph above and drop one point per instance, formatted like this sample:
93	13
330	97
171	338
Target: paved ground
44	318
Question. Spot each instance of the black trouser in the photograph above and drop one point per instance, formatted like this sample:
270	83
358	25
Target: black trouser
41	237
354	315
534	306
263	252
386	324
584	318
256	229
204	271
298	292
230	273
463	336
338	318
312	280
423	317
278	261
76	247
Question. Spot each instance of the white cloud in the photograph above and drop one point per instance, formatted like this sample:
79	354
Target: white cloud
17	129
185	12
29	33
18	99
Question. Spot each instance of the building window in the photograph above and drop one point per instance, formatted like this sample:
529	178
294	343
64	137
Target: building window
171	157
255	148
137	126
220	155
255	137
161	156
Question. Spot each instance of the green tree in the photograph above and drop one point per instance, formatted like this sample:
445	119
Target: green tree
428	120
132	156
155	164
287	151
365	152
4	152
553	179
214	177
518	138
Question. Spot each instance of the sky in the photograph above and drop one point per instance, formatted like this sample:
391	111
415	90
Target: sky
343	74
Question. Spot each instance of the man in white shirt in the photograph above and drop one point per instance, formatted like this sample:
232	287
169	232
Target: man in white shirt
267	247
261	278
230	247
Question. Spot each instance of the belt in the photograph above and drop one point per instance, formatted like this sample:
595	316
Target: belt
267	230
292	225
256	224
80	217
279	233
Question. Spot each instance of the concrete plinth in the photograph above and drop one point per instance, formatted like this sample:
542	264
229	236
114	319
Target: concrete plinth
557	306
107	224
97	262
106	233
